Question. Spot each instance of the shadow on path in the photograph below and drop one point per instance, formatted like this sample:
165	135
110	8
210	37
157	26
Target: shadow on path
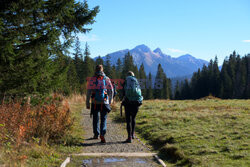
99	143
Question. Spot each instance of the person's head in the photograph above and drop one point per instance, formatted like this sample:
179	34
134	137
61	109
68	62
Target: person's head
99	68
130	73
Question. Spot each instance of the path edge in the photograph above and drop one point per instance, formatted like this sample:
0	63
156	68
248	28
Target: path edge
160	161
65	162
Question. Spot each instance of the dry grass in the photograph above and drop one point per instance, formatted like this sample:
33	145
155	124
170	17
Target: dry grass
20	122
23	126
77	99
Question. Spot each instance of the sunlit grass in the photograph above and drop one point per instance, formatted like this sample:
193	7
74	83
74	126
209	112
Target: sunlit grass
209	132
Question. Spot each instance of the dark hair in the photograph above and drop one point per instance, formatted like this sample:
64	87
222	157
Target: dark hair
99	68
130	73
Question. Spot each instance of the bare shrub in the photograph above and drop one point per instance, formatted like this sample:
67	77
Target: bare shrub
21	122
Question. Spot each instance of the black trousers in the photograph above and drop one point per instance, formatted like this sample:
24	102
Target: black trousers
130	113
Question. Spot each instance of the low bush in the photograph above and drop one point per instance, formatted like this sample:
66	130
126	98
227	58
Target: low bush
21	122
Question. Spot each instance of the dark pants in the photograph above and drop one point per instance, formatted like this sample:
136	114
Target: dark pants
97	111
130	112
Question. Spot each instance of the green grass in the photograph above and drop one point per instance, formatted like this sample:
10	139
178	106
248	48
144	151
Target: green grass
209	132
47	155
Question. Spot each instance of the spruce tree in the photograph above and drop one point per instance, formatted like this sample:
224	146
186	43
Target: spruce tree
86	50
185	90
194	84
158	85
177	95
142	79
149	87
108	66
128	65
226	82
30	42
169	88
209	79
231	69
118	68
78	61
99	61
73	84
204	85
165	94
113	72
247	89
216	78
231	82
240	78
88	68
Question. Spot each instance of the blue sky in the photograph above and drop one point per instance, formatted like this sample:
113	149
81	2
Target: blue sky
202	28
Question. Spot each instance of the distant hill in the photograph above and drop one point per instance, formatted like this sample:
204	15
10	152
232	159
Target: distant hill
184	65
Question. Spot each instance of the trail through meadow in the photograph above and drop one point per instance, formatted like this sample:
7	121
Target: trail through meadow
114	152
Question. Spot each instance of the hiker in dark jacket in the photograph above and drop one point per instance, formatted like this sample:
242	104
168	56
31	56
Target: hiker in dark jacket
131	101
100	90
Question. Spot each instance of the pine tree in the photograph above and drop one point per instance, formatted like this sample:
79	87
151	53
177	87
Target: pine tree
73	84
86	50
108	66
88	68
142	79
185	90
226	82
78	61
177	94
216	78
204	85
158	85
29	42
99	61
231	82
209	79
128	65
59	78
149	86
240	78
118	68
165	94
113	72
231	69
195	85
247	89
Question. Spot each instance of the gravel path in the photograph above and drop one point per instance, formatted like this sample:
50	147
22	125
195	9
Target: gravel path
115	137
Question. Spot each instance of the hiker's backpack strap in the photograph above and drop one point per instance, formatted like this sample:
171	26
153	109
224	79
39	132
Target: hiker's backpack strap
101	90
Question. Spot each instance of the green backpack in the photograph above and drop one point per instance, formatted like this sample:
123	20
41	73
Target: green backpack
132	89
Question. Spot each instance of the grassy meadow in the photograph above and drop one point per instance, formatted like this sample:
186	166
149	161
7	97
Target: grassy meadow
206	132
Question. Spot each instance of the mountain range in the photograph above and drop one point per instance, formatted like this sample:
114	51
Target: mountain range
181	66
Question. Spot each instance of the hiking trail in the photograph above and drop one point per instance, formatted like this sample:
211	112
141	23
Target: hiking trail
114	152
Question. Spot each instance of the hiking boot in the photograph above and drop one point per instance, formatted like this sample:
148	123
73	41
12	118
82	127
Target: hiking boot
129	140
95	137
102	139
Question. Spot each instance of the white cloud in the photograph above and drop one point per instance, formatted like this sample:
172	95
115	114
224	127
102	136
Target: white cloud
176	50
88	38
248	41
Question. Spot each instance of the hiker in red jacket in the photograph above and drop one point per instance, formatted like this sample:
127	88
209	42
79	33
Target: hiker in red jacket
100	90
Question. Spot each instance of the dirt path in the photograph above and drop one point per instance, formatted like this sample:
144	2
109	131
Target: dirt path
118	152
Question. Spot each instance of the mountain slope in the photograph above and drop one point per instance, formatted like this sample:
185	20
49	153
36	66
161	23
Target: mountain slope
174	67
